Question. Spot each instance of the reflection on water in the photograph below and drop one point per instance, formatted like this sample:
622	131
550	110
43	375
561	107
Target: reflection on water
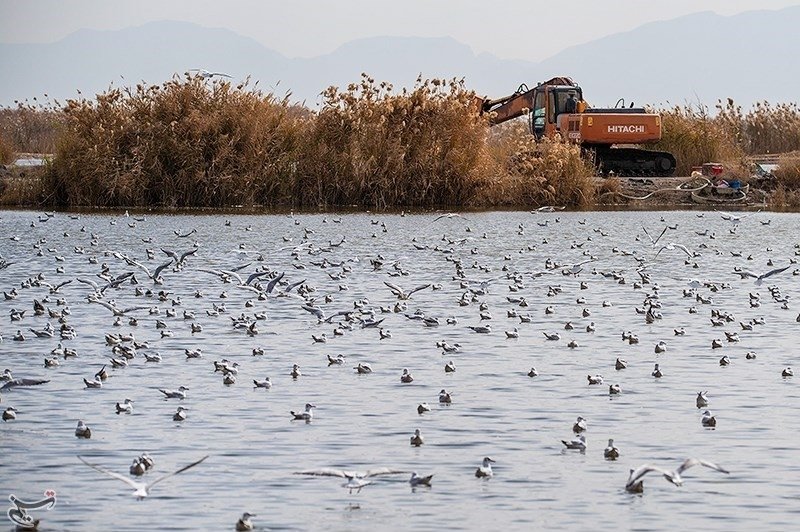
365	421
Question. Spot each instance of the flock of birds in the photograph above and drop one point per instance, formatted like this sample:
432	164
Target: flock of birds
136	288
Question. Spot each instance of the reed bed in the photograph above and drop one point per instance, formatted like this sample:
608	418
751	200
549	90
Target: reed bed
30	127
371	146
184	143
7	153
548	172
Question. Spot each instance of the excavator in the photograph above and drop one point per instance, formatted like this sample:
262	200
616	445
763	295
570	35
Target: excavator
603	133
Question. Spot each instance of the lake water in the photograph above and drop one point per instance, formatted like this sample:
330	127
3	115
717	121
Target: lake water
365	421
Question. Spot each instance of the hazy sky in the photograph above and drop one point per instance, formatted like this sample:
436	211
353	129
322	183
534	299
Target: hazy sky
511	29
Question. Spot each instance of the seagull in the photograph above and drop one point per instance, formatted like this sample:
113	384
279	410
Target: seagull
142	489
485	469
611	452
126	406
266	383
702	399
305	415
355	479
205	74
577	443
759	279
402	294
735	218
180	393
180	415
652	240
635	478
448	215
417	480
82	430
13	383
417	439
672	246
244	522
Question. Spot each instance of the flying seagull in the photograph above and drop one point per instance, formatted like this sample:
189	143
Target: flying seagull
205	74
142	489
355	479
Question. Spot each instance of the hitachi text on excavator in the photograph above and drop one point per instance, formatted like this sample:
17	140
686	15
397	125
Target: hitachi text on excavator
606	134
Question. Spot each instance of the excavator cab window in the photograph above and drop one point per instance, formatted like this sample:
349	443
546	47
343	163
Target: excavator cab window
538	114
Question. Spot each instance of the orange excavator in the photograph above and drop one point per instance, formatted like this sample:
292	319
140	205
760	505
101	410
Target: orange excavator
557	107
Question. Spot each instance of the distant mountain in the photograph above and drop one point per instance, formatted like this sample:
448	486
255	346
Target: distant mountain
700	57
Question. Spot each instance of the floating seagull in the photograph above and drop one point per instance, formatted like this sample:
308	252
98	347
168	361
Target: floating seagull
611	452
126	407
306	415
485	469
417	480
577	443
180	393
142	489
355	479
244	523
708	419
702	399
82	430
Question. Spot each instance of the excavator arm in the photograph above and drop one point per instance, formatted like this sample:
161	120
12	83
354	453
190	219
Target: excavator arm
508	107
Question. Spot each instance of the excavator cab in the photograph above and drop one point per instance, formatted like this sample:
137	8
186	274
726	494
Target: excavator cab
549	103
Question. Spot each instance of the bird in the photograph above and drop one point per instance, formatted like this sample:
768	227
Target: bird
417	480
10	414
266	383
363	369
141	489
402	294
180	393
417	439
597	379
126	407
485	469
205	74
577	443
708	419
702	399
180	414
611	452
406	377
244	522
787	372
759	279
657	373
635	482
355	479
306	415
82	430
579	425
13	383
422	408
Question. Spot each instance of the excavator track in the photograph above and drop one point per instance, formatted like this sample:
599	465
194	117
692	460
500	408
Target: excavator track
626	162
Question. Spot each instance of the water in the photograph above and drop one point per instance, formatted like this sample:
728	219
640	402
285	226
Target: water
365	421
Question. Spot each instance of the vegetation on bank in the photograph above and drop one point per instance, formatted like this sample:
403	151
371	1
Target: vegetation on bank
193	143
